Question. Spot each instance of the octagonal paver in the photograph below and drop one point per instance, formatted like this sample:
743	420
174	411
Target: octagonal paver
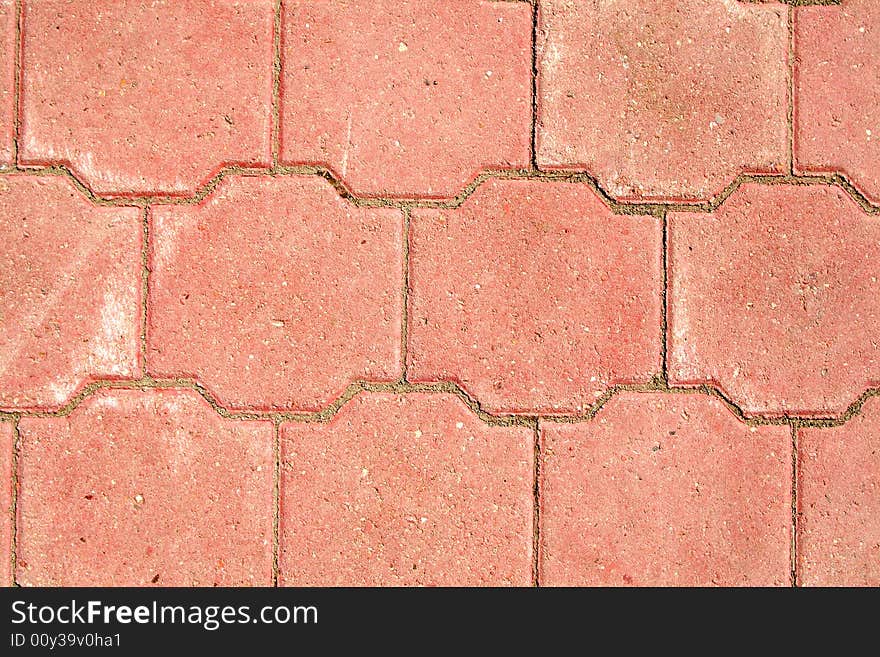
773	297
535	297
275	293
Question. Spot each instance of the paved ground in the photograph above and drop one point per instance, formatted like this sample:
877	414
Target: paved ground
434	292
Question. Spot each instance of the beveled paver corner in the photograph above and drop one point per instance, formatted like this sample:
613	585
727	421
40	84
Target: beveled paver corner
663	100
535	297
275	293
70	292
145	487
665	490
146	98
839	502
773	297
406	98
406	490
837	86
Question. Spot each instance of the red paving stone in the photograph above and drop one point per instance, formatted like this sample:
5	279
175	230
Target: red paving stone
276	293
839	502
7	441
7	82
131	489
407	98
405	490
837	107
372	243
70	292
146	98
663	100
665	490
543	315
773	297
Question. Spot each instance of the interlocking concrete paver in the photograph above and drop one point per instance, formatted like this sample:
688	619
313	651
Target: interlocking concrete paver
7	441
837	81
663	100
535	297
145	487
839	502
663	490
406	97
404	490
378	293
773	297
70	292
7	82
275	293
146	98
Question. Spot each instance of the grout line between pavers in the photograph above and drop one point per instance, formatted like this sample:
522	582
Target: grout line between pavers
634	207
533	139
844	183
807	3
767	419
529	419
16	82
63	171
145	288
276	499
791	91
16	454
536	513
406	292
276	84
664	301
795	3
626	207
795	476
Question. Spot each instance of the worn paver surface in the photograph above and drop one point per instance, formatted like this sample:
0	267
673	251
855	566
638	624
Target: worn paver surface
435	292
